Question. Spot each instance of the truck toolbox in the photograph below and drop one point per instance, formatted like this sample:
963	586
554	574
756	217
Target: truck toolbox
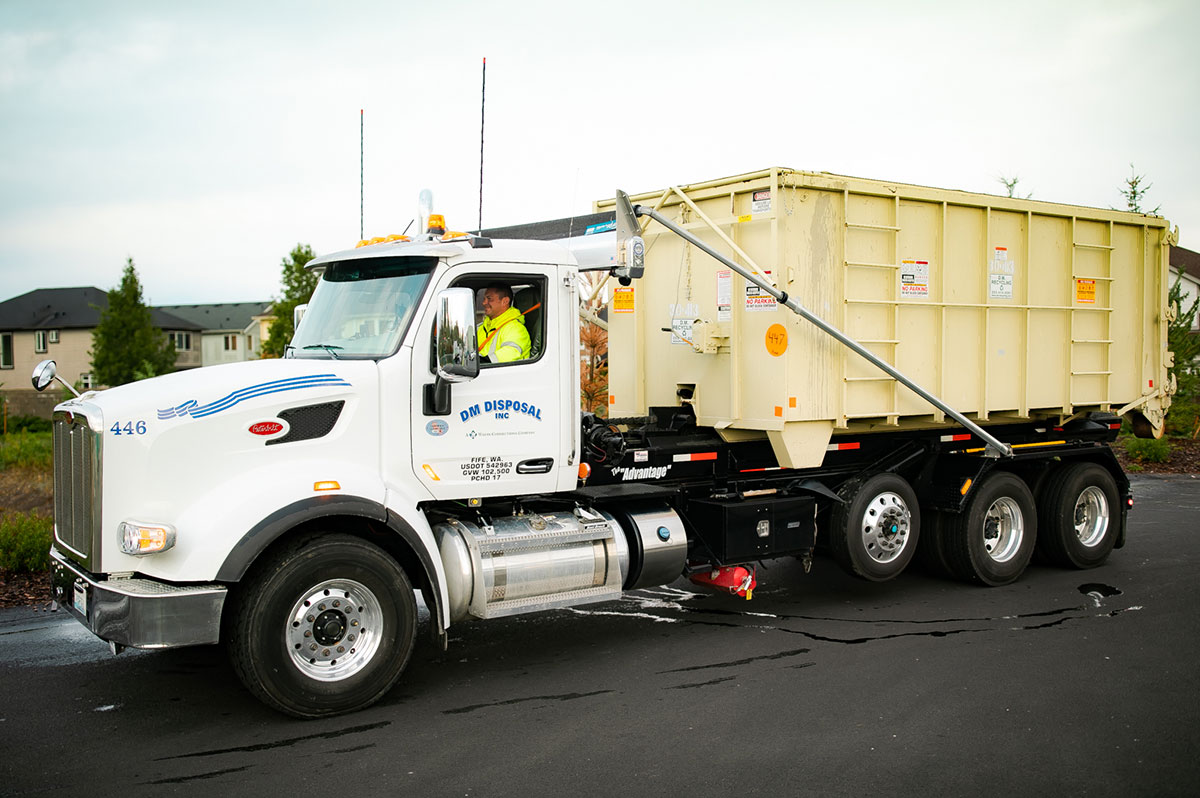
1006	309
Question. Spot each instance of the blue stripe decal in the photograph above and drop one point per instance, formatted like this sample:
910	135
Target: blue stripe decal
195	410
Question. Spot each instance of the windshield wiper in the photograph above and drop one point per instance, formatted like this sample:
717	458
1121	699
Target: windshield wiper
330	348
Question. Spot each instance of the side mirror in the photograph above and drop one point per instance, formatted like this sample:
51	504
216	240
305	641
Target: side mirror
297	314
631	248
44	374
456	351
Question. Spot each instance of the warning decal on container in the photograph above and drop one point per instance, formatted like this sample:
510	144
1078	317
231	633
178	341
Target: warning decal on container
760	202
914	278
758	300
1000	275
682	317
724	295
622	301
1085	292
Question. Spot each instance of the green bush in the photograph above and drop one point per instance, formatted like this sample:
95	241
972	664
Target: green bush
28	424
25	542
1148	450
26	450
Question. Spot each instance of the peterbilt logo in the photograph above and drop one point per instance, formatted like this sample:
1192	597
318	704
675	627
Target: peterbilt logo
266	428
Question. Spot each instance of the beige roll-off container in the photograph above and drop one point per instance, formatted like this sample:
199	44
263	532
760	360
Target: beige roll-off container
1006	309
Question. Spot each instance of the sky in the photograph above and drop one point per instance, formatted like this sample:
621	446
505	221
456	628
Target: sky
206	139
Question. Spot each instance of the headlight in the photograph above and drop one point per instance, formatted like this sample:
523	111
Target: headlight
138	538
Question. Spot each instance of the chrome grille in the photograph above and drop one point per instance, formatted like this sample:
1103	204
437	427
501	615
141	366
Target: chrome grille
76	485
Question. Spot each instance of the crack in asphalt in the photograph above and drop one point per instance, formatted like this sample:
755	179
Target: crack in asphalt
779	655
786	617
330	735
210	775
563	697
702	684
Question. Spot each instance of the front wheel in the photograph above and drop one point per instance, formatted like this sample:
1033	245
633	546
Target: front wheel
992	540
325	626
1080	516
873	532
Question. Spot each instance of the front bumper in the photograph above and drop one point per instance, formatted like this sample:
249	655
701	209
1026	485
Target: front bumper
141	613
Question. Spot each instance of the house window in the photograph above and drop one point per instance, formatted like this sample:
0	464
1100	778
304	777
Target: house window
53	336
39	341
183	341
85	381
231	343
6	351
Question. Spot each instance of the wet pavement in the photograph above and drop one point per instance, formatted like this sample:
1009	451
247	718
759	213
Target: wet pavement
1068	682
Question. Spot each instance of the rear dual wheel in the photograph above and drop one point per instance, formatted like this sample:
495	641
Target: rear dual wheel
1080	516
991	541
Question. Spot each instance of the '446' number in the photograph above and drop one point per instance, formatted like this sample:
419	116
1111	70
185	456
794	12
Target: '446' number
128	428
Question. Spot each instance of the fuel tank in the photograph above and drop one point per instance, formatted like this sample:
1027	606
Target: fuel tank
542	560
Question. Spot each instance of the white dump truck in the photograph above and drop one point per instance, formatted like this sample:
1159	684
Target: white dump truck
798	361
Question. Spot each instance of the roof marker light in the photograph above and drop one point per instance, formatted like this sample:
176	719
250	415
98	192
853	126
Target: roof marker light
437	224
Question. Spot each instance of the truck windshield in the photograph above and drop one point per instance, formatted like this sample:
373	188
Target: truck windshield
361	308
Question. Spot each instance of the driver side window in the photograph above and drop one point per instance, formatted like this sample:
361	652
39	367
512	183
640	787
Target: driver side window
509	317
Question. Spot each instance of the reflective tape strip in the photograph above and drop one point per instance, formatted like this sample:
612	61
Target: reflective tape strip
966	436
685	458
841	447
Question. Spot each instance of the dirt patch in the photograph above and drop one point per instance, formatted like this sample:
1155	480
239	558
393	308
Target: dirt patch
1185	459
24	590
26	490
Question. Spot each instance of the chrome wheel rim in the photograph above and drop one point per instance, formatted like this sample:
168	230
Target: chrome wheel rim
1003	529
1091	516
885	526
334	629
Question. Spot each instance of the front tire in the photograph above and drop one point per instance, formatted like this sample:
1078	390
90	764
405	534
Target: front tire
992	540
1080	516
326	625
873	531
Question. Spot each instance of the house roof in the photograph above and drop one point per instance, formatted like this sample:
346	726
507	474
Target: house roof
71	308
1186	261
232	316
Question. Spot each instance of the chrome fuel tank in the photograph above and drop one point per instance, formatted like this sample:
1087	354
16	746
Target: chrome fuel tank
531	562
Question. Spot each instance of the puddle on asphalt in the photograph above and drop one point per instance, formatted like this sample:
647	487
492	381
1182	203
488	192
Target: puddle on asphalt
1098	592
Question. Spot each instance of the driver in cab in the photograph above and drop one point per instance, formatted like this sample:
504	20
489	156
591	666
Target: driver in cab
502	336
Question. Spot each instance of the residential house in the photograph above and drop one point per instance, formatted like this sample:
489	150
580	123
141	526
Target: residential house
1185	266
231	332
58	323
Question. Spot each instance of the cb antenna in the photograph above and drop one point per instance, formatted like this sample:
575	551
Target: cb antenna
360	174
482	117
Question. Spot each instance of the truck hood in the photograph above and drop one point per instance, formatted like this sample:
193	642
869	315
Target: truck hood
213	390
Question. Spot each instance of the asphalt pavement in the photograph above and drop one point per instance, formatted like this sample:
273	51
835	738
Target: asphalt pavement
1066	683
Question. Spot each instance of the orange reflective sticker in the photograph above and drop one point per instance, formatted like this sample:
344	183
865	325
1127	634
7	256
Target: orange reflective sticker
776	339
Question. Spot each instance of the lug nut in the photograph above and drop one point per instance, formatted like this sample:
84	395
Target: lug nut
341	650
354	622
350	638
308	632
337	603
313	647
325	653
320	606
311	618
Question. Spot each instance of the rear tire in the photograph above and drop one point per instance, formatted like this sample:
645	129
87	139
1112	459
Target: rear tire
324	626
1079	516
873	532
992	540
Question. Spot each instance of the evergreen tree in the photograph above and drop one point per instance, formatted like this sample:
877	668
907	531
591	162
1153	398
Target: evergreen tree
126	346
298	286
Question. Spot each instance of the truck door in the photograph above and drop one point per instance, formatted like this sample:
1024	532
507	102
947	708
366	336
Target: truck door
504	433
